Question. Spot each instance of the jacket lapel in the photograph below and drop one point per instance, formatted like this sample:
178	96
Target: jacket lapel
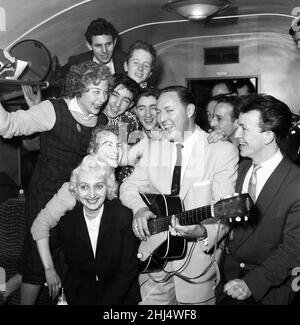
243	168
266	196
82	232
106	222
272	186
195	166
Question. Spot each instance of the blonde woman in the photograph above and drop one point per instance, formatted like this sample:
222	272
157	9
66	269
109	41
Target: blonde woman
97	241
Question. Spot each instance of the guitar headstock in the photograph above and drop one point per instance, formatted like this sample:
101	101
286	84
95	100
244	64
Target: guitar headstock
234	208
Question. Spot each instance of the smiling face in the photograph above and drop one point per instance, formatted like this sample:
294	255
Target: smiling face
91	189
102	47
146	112
139	66
222	119
173	116
118	102
251	138
93	97
109	148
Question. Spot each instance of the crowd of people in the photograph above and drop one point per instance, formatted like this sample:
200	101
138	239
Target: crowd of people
111	137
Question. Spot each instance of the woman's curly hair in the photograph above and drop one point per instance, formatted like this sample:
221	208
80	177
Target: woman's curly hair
81	75
100	168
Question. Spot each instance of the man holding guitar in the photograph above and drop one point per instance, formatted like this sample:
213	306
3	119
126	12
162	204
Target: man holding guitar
183	164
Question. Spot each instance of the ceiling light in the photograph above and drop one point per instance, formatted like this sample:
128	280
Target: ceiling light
196	9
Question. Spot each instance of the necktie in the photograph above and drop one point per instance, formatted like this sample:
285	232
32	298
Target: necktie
175	188
253	182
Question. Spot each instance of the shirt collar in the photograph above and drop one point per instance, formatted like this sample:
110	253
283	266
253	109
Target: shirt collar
74	107
273	161
95	220
110	65
191	139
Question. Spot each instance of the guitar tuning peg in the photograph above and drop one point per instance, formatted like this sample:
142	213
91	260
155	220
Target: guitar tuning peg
246	218
230	220
238	219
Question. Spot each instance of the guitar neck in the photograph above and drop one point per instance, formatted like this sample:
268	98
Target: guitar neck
190	217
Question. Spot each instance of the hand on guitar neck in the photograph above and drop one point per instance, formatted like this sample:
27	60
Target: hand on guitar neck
141	230
140	223
170	226
197	231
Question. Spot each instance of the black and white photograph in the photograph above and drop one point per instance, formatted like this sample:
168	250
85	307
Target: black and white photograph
149	156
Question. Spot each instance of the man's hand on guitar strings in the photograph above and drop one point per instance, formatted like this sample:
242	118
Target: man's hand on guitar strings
191	231
140	223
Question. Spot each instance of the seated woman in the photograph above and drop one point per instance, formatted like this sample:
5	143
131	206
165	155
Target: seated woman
97	241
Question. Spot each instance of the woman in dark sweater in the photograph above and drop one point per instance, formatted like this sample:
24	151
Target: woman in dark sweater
65	125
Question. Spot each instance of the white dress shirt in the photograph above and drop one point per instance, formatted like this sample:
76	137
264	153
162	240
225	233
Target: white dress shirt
110	65
93	225
188	145
263	173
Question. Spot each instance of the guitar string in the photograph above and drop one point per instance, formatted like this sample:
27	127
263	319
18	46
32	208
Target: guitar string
186	263
191	214
165	221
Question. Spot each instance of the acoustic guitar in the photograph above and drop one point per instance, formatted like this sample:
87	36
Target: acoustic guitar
161	246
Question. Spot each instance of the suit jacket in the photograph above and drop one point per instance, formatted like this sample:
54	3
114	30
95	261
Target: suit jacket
269	247
118	59
115	263
210	175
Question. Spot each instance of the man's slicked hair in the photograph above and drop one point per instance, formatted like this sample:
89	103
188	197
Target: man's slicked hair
184	94
230	85
234	101
128	83
240	83
275	115
148	92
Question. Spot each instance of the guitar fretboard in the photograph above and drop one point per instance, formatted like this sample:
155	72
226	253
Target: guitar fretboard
190	217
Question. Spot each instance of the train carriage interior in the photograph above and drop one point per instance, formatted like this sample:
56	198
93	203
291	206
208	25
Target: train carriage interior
257	40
